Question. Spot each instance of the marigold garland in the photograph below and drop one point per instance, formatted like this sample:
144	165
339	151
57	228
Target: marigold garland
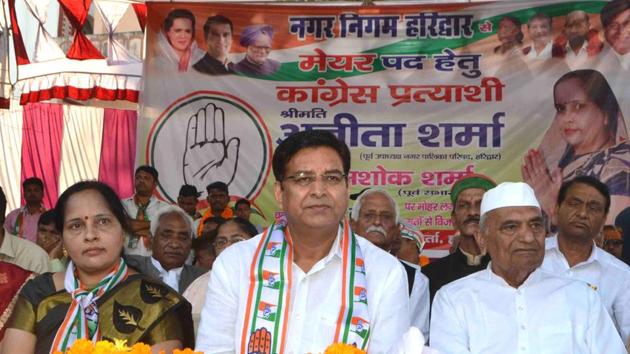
342	348
118	346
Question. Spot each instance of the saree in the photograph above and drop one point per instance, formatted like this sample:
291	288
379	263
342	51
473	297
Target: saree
12	279
138	309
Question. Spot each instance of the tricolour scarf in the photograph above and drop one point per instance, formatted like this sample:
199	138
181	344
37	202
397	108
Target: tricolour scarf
267	308
81	320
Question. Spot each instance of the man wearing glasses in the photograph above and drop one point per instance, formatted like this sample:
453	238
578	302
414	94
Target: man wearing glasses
615	18
299	287
583	203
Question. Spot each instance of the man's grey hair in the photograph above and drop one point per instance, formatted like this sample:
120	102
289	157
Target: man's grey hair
356	208
168	210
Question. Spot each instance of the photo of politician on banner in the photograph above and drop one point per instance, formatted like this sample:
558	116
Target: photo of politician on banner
422	94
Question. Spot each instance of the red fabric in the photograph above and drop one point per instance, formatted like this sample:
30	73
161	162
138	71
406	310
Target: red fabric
12	278
20	51
141	13
118	150
42	132
5	103
79	94
77	13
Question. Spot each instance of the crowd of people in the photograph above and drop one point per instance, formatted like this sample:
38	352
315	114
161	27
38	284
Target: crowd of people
147	271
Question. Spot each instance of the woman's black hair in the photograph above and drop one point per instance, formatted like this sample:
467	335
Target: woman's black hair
600	93
111	199
175	14
245	226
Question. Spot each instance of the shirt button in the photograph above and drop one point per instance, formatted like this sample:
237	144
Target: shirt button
520	308
523	349
523	327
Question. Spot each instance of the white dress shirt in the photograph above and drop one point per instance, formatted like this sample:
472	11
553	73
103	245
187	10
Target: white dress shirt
543	55
169	277
135	246
580	60
603	272
314	304
547	314
419	304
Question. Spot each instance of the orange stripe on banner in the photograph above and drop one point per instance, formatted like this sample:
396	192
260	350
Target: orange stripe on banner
250	295
344	265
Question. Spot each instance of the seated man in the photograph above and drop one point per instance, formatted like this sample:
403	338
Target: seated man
581	209
187	199
172	240
513	306
299	287
375	217
141	209
19	251
49	238
22	222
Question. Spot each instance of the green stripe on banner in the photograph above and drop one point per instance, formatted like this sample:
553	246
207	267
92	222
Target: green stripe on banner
290	71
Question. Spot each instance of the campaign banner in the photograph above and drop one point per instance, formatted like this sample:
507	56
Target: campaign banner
422	94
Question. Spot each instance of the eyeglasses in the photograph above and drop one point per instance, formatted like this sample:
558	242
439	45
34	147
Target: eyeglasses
305	179
613	242
261	48
222	242
618	27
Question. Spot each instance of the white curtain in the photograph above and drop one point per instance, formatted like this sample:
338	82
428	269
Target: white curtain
11	153
81	144
45	47
112	11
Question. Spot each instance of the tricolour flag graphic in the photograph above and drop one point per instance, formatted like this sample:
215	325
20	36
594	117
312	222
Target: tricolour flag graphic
271	279
360	326
360	294
360	265
274	249
267	311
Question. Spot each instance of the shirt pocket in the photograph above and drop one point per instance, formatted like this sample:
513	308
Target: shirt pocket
555	339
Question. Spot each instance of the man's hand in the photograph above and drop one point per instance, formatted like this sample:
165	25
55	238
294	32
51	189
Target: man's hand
260	342
208	157
546	185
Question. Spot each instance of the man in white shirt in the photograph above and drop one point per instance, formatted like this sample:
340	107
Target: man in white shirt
172	241
581	44
539	30
583	203
20	251
514	306
141	209
375	217
615	18
302	287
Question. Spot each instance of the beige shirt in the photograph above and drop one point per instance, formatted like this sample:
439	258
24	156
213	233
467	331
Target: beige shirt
24	253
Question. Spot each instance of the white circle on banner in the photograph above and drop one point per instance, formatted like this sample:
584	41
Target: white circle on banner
210	136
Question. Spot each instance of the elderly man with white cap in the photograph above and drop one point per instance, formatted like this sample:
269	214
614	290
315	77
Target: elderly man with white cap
513	306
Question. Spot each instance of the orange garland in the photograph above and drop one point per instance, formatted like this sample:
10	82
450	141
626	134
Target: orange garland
84	346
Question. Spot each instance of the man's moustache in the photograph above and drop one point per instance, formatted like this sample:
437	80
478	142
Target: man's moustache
375	228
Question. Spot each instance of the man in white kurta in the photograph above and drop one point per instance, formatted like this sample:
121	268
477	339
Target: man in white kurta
375	217
581	214
312	188
513	306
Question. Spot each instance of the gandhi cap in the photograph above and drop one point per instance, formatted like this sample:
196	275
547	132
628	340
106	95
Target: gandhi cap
508	194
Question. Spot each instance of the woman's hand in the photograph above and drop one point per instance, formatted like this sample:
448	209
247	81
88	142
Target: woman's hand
546	184
56	251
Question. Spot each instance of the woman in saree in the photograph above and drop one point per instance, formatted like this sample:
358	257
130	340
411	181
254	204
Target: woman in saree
98	296
590	123
177	42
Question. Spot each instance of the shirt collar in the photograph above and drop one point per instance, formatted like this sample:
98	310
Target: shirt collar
163	271
551	243
494	278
